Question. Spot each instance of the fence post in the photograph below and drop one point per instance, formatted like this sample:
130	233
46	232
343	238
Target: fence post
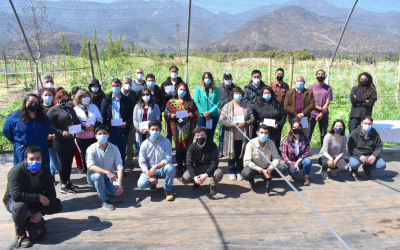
398	83
90	59
26	69
98	62
5	70
291	72
269	69
30	66
65	67
16	73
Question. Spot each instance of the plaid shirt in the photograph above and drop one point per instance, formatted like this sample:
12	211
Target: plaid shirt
289	149
280	91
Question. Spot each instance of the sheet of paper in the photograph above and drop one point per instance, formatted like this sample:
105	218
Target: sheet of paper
238	118
169	88
75	129
144	125
209	124
269	122
91	120
116	122
304	122
181	114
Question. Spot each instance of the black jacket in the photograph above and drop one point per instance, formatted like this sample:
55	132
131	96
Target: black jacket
133	96
168	83
358	146
126	110
360	108
159	98
61	120
225	94
252	94
267	110
208	155
19	187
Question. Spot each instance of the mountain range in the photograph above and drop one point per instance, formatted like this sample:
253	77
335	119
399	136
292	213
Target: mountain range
297	24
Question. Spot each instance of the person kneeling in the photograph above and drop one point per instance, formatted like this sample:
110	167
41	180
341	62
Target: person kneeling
365	147
256	164
30	192
155	157
202	160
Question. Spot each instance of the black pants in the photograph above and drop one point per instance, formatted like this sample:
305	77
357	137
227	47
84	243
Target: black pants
249	174
19	211
323	162
354	122
323	127
65	150
181	157
83	145
235	165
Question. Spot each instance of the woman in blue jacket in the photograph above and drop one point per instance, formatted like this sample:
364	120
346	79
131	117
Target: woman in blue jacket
208	109
28	126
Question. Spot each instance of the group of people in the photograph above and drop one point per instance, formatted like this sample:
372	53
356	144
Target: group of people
105	132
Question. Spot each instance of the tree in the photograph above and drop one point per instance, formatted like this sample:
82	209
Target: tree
64	48
84	51
176	42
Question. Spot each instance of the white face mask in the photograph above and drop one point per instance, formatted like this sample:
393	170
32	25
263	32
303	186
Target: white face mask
256	81
49	85
146	98
228	82
127	86
139	76
174	75
86	100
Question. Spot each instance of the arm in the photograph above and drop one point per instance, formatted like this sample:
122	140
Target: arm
285	149
168	153
311	105
217	101
355	100
161	102
17	189
378	146
247	159
282	117
325	146
53	119
104	111
287	106
156	112
197	100
189	161
246	97
129	118
214	161
50	192
371	101
275	157
8	127
352	146
143	157
222	119
136	117
307	148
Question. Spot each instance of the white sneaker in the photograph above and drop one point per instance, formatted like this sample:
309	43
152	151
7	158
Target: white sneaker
332	172
80	170
239	177
232	177
324	175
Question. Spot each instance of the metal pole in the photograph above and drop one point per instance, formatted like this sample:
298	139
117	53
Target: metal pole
98	62
90	60
187	45
291	71
398	84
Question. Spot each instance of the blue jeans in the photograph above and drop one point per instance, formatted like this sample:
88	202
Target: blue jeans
167	172
379	163
54	163
102	184
221	137
305	165
120	140
210	132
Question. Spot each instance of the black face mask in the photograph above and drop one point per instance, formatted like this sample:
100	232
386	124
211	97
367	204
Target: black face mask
201	140
320	78
296	131
279	78
33	107
63	103
364	83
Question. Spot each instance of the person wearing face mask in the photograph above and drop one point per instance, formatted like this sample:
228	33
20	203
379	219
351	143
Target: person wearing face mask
253	89
295	150
155	161
48	83
365	147
139	82
332	151
362	98
202	162
103	159
322	96
279	86
268	107
117	113
47	97
182	127
61	117
256	164
208	100
225	94
90	118
234	141
156	92
299	103
30	190
145	111
97	93
28	126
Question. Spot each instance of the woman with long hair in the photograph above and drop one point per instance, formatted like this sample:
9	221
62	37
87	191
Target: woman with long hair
28	126
97	93
208	100
362	97
182	127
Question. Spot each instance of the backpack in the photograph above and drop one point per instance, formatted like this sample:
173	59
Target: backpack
36	231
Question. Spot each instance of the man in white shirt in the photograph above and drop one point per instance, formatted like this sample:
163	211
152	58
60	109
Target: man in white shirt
103	159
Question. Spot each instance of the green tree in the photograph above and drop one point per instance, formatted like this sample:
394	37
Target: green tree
64	47
84	51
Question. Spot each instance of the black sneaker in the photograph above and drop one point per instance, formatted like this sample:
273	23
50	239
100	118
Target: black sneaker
367	172
211	190
354	173
196	187
107	205
267	186
54	180
72	186
22	241
253	185
67	190
221	155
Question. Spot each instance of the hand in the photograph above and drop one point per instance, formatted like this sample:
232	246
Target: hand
202	178
89	128
208	118
276	126
82	131
331	164
354	96
371	159
367	100
36	217
324	110
190	115
169	93
338	158
196	180
123	125
319	117
291	168
363	159
111	176
66	133
151	172
241	125
50	137
44	200
153	180
298	117
173	116
119	189
266	172
296	166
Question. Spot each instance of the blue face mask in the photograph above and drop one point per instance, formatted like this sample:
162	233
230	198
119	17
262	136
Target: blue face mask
237	98
34	165
367	128
102	138
263	137
95	89
116	90
155	134
151	84
207	81
181	93
47	99
267	97
299	85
